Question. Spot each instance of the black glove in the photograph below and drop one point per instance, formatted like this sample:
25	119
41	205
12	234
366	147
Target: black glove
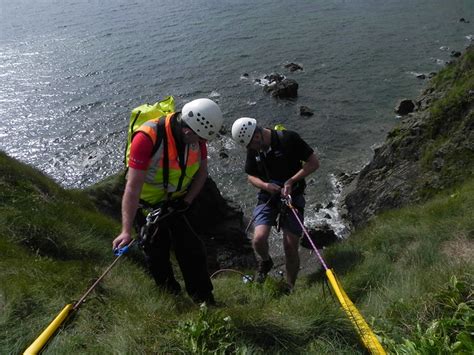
179	205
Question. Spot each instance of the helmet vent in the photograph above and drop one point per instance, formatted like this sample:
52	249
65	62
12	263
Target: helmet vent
190	114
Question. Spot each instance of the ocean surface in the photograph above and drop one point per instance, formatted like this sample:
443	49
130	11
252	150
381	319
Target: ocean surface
71	71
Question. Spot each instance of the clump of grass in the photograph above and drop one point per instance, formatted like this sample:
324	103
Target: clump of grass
445	326
389	269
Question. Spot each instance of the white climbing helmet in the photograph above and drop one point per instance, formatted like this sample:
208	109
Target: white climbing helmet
203	116
243	129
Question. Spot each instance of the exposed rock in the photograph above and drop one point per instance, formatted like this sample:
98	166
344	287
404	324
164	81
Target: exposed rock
293	67
462	19
223	130
274	78
404	107
421	76
455	54
306	111
218	222
321	236
287	88
223	154
430	150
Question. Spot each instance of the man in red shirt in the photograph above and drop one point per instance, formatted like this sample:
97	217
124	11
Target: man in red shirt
170	177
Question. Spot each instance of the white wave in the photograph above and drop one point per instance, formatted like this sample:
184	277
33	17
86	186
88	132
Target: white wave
335	221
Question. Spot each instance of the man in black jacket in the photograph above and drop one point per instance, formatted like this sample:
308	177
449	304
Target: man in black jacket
277	163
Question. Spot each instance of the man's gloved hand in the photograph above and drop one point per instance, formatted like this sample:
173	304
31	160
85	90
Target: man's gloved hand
179	205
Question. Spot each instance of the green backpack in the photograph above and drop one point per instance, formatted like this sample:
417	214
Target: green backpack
144	113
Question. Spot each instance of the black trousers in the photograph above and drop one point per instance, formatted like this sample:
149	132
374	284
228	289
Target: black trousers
176	233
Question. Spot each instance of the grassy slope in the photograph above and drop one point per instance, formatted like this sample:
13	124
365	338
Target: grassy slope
398	270
53	243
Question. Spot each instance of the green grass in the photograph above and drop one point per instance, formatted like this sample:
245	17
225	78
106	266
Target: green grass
399	271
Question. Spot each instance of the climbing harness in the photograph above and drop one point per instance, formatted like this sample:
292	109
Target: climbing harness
366	334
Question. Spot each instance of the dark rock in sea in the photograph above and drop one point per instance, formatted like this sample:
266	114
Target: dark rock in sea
330	205
455	54
245	75
223	130
223	154
287	88
318	207
274	78
404	107
421	76
293	67
462	19
306	111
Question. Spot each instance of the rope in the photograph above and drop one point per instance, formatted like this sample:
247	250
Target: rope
366	334
230	270
293	209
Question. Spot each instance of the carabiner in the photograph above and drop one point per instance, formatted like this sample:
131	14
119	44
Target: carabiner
153	217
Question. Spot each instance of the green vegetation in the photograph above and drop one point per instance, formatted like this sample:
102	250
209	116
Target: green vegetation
406	272
449	150
409	271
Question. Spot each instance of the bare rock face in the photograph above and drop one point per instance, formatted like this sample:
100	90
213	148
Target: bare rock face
404	107
430	150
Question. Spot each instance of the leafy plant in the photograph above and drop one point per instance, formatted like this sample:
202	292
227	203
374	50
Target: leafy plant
452	332
210	333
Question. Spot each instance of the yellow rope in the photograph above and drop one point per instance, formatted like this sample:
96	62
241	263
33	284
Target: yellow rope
367	336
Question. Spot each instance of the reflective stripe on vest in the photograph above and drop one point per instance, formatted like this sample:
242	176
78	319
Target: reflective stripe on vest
153	190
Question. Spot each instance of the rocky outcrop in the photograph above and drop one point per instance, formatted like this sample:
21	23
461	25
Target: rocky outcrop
281	87
306	111
404	107
287	88
293	67
218	222
430	150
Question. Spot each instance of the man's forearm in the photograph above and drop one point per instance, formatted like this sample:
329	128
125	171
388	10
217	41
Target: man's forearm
310	166
197	184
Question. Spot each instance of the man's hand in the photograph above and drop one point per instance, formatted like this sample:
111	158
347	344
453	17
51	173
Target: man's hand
287	188
272	188
122	240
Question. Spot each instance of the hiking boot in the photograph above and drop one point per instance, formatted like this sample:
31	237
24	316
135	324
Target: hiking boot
264	266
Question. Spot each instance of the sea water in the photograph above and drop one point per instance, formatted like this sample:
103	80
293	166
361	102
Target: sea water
72	70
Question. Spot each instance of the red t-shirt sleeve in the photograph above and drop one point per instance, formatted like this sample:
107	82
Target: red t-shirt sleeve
140	151
142	147
203	147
